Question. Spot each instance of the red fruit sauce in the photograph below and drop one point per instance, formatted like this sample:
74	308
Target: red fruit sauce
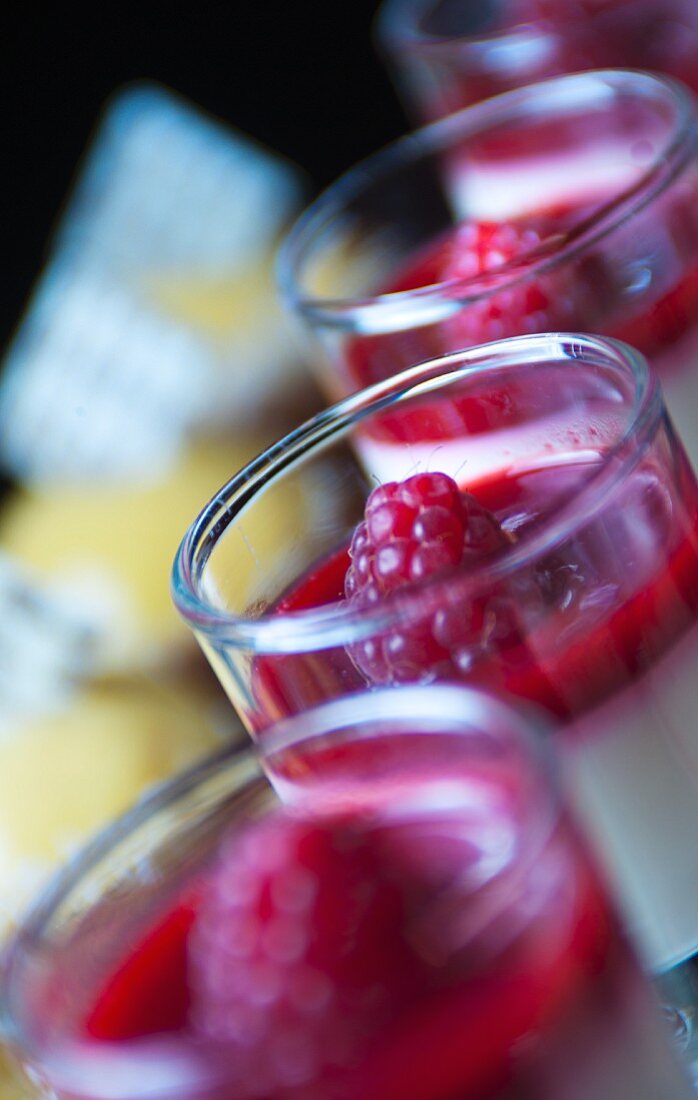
548	962
589	294
594	613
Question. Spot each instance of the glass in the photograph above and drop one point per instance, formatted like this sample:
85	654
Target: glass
448	794
447	54
588	609
563	207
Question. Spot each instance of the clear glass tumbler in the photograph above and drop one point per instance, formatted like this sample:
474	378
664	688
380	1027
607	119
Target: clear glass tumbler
447	54
582	599
417	918
568	206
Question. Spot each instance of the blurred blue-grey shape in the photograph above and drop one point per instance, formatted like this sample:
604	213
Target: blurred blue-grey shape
103	378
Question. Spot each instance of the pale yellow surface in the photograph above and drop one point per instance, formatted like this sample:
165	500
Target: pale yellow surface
122	541
12	1086
65	774
218	305
257	368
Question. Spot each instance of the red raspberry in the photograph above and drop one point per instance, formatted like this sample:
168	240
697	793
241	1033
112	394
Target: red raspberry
339	956
413	531
501	250
487	263
478	248
298	955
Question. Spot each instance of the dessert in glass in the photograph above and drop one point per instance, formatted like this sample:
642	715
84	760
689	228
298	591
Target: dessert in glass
566	206
537	535
408	912
447	54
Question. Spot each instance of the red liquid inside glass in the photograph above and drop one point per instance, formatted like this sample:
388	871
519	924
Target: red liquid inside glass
588	294
554	37
531	987
594	615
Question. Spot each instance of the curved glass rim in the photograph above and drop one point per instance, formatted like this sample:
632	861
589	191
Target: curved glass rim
441	705
57	889
398	25
404	703
28	934
563	94
336	623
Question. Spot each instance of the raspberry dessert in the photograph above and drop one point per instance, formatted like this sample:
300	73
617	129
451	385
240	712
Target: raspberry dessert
572	632
496	268
448	54
547	551
565	206
428	932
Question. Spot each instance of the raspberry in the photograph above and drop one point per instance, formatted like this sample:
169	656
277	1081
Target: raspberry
414	531
339	956
478	248
500	250
487	263
298	955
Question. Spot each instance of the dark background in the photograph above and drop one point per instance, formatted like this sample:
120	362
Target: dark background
303	77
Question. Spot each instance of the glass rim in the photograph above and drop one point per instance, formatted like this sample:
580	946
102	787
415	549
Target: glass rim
62	881
451	707
398	703
398	26
26	938
455	705
338	623
563	94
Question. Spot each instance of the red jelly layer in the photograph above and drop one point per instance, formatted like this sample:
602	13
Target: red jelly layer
616	621
148	993
457	1033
